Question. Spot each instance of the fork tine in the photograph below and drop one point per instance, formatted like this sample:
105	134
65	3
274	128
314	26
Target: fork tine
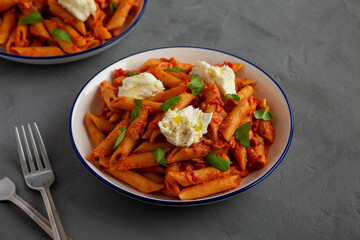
36	153
30	158
42	147
24	166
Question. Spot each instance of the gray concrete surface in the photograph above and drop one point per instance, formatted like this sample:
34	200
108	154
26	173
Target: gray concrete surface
312	48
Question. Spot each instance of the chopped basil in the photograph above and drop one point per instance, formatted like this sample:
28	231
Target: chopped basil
131	74
120	137
135	112
218	162
174	69
34	17
35	7
242	134
62	35
263	114
170	103
113	7
234	97
196	85
159	154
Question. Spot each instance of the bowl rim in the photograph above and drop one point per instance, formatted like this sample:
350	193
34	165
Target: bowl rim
188	202
69	55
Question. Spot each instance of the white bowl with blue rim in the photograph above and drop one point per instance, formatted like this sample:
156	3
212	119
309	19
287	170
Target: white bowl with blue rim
89	99
128	25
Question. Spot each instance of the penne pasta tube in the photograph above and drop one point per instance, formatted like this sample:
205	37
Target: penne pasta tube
6	4
127	103
139	160
108	92
152	62
115	118
96	135
240	82
209	188
266	130
38	30
22	34
167	79
184	101
156	135
102	124
119	17
6	26
256	152
154	177
172	92
136	180
156	169
78	40
148	147
246	92
11	43
186	67
195	177
197	150
239	152
38	51
233	120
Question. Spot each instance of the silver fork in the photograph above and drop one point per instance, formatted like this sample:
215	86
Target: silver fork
39	176
8	192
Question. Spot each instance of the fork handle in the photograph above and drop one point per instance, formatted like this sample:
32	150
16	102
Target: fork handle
56	226
33	213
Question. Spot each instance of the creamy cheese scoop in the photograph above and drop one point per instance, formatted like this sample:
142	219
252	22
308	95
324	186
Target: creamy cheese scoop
81	9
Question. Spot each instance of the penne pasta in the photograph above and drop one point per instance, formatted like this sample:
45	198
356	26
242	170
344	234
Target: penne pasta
119	17
38	51
146	156
148	147
96	135
33	21
209	188
6	26
136	180
233	120
127	103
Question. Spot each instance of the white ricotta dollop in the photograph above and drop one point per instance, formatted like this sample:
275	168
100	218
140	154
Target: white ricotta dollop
81	9
185	127
223	77
142	86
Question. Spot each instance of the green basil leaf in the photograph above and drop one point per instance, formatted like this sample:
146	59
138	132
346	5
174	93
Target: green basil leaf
120	137
174	69
159	154
131	73
263	114
138	102
242	134
135	112
196	85
234	97
34	17
62	35
170	103
113	7
35	7
218	162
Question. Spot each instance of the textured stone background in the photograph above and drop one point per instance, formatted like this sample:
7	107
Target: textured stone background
312	48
